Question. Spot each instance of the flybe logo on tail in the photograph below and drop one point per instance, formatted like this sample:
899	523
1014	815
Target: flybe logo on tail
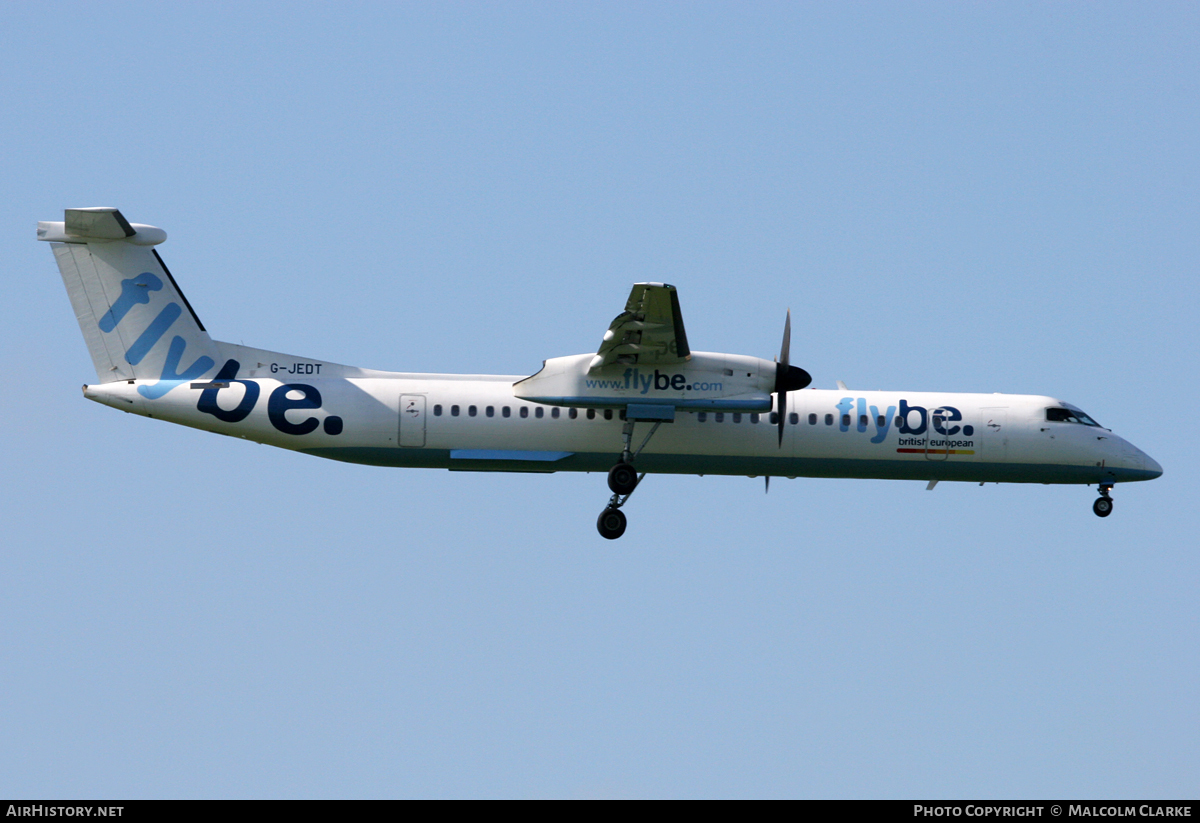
291	396
135	291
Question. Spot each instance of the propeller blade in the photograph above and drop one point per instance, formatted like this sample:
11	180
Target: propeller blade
782	405
781	370
787	377
785	350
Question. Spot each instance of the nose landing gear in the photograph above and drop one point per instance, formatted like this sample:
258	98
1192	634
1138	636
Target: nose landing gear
1104	505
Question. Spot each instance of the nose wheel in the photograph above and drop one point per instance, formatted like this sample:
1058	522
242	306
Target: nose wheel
1104	505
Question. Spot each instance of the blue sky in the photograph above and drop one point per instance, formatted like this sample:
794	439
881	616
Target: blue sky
959	197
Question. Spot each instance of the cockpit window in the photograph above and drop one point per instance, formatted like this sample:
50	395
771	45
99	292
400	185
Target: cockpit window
1070	416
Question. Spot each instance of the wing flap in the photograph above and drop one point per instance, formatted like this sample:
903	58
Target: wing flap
649	331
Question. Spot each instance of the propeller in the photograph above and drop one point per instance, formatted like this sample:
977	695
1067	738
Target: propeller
787	377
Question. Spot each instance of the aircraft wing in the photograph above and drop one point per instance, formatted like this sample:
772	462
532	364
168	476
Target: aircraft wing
649	331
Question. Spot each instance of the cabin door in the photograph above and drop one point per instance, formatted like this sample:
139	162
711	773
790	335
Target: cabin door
993	434
412	420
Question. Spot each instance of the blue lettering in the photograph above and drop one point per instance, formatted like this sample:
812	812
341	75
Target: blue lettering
153	333
946	414
133	291
170	377
844	407
280	404
905	410
881	431
208	397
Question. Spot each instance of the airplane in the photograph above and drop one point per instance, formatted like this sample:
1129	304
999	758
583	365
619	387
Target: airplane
697	412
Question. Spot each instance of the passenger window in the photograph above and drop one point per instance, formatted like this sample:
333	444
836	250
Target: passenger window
829	420
754	417
702	416
554	412
719	417
862	420
812	420
538	412
506	412
472	411
454	411
608	414
437	410
880	421
899	422
845	420
591	414
737	417
491	411
573	413
793	418
524	411
774	418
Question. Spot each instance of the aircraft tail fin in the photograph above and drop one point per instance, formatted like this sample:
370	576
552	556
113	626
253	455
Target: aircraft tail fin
136	322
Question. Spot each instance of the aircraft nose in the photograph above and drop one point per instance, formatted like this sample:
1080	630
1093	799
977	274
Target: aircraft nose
1152	465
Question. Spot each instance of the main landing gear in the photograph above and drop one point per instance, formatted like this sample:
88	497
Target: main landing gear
623	478
1104	505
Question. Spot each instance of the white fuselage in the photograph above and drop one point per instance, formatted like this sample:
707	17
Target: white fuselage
644	403
476	422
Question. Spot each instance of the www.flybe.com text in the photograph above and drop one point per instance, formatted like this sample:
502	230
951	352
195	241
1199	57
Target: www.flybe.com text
633	379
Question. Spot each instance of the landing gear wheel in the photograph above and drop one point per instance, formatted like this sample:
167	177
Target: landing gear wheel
611	523
622	478
1103	506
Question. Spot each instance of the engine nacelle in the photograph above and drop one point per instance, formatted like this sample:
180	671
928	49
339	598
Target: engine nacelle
706	382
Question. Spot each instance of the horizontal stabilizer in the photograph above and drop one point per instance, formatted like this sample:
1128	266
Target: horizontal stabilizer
102	223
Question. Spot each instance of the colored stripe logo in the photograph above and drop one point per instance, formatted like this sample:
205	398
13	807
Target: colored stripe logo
936	451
